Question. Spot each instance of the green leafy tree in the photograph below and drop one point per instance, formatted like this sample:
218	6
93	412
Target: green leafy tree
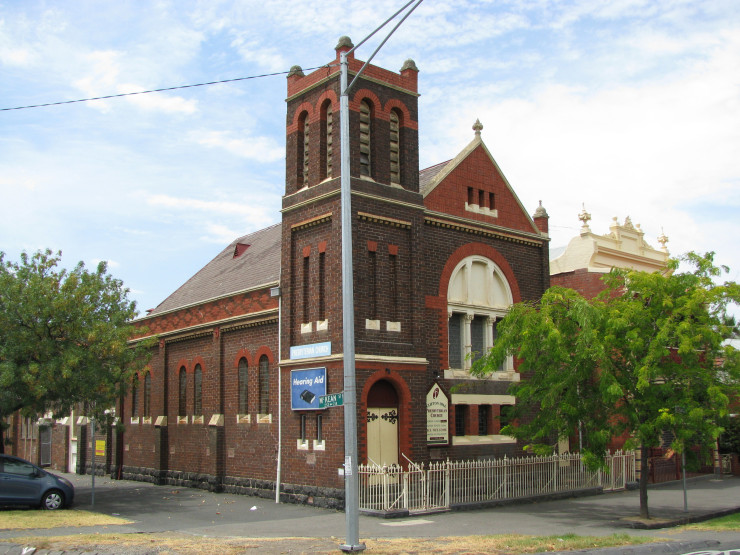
641	358
64	337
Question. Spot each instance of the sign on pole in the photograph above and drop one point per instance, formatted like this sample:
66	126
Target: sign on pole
331	400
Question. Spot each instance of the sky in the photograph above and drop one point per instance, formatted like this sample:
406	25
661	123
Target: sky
627	107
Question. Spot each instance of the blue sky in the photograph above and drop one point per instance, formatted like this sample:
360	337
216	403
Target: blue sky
631	107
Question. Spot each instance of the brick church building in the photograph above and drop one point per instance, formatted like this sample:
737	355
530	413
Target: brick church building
233	398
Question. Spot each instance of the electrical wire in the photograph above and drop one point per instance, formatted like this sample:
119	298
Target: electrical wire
157	90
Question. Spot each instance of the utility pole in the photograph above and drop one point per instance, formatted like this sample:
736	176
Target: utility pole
351	483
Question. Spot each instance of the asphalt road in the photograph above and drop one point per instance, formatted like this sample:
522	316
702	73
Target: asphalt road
201	513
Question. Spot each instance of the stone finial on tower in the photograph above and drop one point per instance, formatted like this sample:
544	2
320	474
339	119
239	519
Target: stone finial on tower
541	219
296	70
344	45
663	240
409	64
585	217
477	127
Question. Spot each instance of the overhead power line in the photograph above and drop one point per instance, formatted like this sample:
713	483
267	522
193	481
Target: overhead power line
157	90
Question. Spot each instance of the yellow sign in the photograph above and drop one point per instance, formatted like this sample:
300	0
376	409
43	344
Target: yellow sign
100	448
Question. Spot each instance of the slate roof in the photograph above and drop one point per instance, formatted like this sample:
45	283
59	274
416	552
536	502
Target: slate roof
226	274
426	176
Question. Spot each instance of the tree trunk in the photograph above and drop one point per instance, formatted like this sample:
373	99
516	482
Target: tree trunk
644	476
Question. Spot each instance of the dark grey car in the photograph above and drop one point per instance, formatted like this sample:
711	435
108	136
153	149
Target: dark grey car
24	483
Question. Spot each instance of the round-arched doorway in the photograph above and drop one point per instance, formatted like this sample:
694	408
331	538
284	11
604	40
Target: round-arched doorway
382	424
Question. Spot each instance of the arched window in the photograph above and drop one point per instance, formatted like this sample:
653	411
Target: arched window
243	386
395	147
182	409
303	150
135	396
478	296
327	139
198	390
264	385
147	394
365	139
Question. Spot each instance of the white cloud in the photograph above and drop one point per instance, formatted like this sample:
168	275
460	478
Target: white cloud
260	149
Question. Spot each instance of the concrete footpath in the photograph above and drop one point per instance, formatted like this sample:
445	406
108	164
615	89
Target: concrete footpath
200	513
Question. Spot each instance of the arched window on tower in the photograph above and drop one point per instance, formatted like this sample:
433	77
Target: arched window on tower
365	139
395	147
303	150
327	139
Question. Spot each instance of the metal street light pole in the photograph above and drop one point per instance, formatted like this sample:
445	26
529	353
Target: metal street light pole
351	484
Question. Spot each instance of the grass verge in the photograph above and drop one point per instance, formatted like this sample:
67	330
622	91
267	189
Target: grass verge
30	519
729	523
187	545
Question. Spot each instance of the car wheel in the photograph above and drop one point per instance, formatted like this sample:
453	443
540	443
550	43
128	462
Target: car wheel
52	500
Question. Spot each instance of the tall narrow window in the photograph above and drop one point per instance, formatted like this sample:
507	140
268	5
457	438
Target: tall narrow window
135	396
243	386
198	390
394	287
365	139
328	139
461	417
373	282
148	394
505	415
305	151
395	147
305	289
182	409
477	336
455	352
302	147
484	412
264	385
322	286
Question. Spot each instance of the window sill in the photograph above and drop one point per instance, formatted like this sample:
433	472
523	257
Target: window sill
243	418
264	419
497	439
476	209
501	376
302	445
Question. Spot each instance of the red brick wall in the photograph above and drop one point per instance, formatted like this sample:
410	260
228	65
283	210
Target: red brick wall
479	172
588	284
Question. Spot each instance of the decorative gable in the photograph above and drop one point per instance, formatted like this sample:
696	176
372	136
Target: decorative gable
472	186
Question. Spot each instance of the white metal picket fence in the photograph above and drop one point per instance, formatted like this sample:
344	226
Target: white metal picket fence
440	485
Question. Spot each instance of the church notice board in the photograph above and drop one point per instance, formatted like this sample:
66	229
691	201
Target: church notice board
438	410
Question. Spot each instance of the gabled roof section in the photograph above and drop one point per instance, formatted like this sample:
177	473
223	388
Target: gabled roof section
445	188
227	274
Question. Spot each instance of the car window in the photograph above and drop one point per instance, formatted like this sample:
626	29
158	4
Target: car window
18	467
